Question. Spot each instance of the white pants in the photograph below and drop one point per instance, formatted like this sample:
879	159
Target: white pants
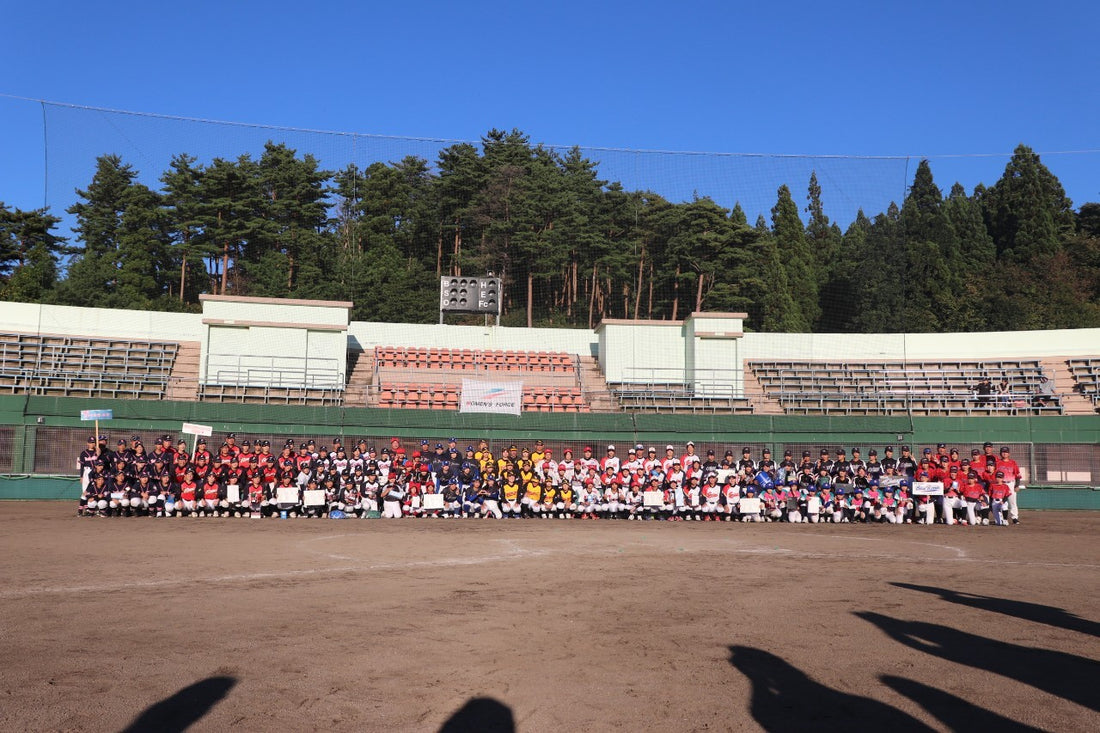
929	512
1013	510
970	516
490	506
391	509
950	504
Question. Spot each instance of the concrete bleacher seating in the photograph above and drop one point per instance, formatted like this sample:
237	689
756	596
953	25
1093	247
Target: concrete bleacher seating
675	398
266	394
72	366
925	387
1086	377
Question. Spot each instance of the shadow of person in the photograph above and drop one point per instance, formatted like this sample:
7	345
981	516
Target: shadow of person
955	713
1037	612
784	698
185	708
480	715
1065	675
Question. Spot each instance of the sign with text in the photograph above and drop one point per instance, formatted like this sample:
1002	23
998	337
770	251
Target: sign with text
653	498
928	488
501	397
192	429
433	501
89	415
313	497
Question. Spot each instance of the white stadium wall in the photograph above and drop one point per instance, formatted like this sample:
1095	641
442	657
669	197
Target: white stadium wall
628	351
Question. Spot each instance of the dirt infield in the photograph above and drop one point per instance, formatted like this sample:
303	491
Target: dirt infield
545	625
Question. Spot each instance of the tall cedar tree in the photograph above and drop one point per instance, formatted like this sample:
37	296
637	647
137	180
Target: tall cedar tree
798	260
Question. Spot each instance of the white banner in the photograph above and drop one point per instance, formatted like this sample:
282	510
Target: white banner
195	429
502	397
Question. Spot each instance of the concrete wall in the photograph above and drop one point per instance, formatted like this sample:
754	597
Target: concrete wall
642	351
366	335
100	322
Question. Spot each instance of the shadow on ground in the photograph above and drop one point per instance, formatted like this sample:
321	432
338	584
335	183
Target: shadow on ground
481	715
1068	676
185	708
1036	612
785	698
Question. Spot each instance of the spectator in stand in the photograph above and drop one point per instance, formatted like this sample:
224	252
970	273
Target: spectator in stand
984	390
1044	393
1004	393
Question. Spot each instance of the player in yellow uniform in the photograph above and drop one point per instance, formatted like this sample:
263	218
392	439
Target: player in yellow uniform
532	497
549	494
566	505
510	495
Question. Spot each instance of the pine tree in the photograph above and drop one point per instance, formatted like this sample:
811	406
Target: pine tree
28	251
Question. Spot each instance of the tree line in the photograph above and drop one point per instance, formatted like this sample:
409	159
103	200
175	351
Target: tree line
572	249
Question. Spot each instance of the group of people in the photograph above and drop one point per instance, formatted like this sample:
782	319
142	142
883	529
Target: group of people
307	480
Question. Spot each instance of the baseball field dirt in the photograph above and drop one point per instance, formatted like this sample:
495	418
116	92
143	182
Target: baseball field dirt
545	625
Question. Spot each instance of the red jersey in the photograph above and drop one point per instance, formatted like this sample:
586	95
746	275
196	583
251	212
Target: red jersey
999	491
1010	468
972	490
187	490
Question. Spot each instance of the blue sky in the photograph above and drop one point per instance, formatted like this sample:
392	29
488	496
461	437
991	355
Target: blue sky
855	78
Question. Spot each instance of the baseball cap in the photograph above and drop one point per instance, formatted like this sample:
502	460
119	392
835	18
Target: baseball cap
1004	449
611	447
691	443
987	444
872	452
941	445
452	440
840	451
1000	474
652	449
927	451
91	438
437	445
888	449
805	454
632	449
121	442
669	447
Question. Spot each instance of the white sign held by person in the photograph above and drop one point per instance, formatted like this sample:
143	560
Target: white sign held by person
502	397
928	488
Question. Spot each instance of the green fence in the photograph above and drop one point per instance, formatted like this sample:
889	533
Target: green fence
44	435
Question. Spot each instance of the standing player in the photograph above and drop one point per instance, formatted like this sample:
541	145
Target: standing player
1012	478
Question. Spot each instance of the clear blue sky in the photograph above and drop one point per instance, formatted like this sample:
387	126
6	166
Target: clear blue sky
860	78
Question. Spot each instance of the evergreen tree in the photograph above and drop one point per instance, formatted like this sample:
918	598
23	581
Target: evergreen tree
798	260
28	251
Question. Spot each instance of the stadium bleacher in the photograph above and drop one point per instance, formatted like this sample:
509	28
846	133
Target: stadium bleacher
675	398
1086	377
72	366
431	378
888	387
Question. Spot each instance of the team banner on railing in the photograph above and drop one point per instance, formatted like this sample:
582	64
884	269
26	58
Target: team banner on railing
503	397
